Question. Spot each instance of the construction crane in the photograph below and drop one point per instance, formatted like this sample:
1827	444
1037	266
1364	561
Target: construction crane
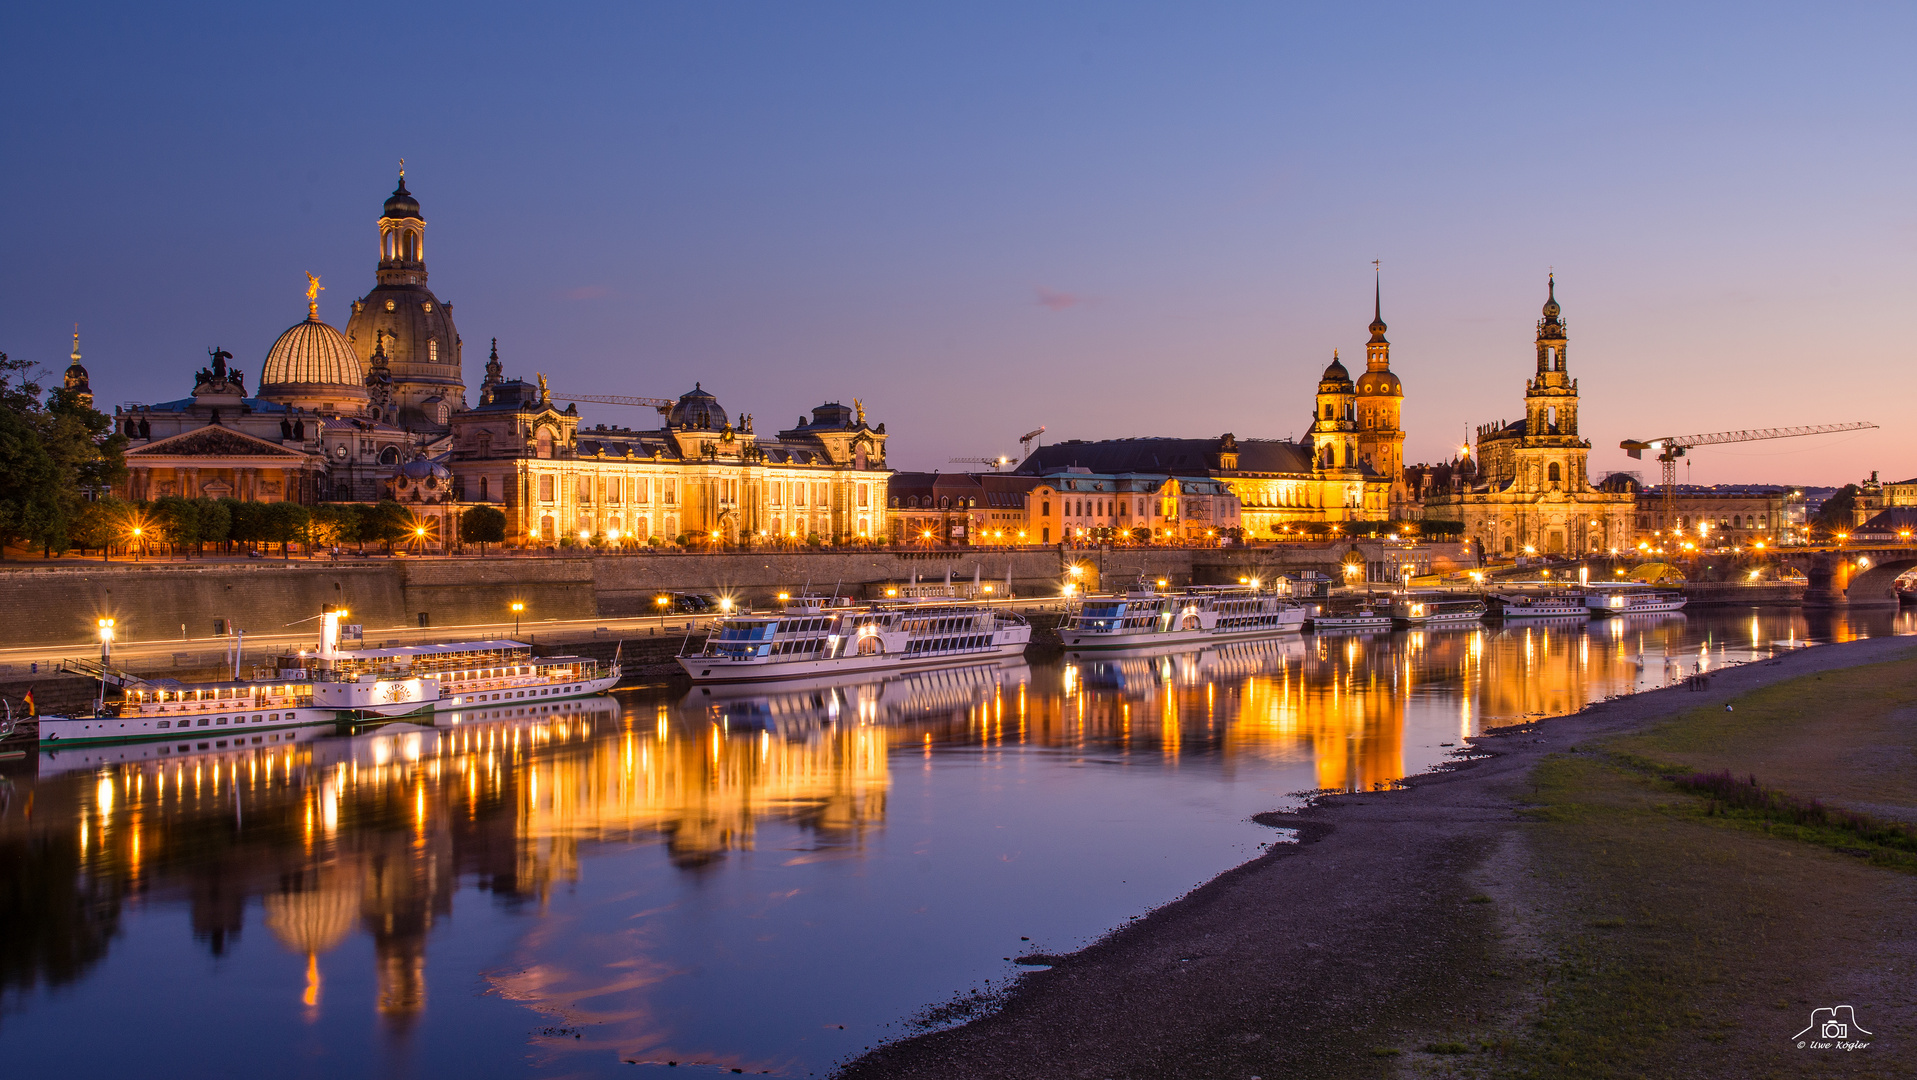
664	405
1672	447
1025	440
996	463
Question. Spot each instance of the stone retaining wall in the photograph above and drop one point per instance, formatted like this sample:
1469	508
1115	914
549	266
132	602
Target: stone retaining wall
58	605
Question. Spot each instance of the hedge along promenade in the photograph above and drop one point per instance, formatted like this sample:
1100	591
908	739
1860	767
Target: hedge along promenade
1607	894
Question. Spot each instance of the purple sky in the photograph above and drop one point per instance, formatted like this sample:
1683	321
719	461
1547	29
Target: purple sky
1107	219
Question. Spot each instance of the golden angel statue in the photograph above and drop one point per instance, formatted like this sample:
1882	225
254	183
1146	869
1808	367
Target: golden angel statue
313	287
858	407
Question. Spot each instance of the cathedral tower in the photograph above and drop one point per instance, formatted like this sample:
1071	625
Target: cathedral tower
1333	428
1551	398
1380	402
421	345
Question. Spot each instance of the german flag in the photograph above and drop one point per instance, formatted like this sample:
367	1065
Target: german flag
28	702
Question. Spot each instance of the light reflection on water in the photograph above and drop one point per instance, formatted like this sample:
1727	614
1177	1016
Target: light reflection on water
718	877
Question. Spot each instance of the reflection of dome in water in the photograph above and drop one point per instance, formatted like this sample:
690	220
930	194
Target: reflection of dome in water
314	921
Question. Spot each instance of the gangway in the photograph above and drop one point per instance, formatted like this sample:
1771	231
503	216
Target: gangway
93	669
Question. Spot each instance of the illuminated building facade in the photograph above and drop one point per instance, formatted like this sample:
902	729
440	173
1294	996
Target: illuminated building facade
1532	495
696	476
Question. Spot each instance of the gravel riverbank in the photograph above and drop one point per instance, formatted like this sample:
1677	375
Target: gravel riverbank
1322	958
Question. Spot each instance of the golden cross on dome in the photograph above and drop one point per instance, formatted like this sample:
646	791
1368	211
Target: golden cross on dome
402	168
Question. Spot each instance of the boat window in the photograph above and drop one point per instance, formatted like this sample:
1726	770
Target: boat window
221	720
166	723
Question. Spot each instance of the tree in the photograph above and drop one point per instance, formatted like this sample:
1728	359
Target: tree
1436	529
100	523
286	522
215	520
30	507
482	525
333	524
52	455
247	522
176	521
384	522
1839	511
1142	535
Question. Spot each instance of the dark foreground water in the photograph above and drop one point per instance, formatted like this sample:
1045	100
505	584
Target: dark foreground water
757	881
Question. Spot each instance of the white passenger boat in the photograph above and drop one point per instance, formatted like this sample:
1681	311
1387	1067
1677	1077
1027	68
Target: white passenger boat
809	639
1364	616
1436	609
1632	600
341	685
1198	616
1552	605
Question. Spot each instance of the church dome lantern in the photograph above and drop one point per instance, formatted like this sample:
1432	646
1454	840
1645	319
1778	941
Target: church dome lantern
402	316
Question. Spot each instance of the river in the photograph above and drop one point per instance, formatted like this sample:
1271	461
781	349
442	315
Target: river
757	881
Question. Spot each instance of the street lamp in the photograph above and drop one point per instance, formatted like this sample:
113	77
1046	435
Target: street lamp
136	542
517	608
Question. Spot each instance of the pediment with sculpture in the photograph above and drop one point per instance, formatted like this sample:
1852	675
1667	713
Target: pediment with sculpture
212	442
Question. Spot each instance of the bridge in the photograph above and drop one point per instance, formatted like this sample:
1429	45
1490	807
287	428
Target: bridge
1851	575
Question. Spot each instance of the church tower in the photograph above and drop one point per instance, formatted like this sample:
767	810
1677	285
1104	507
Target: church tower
1380	404
79	390
402	318
1334	445
1551	457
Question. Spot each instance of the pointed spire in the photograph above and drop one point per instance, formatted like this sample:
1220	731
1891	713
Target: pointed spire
76	343
1377	312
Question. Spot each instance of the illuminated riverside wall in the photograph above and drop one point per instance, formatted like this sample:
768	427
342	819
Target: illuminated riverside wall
57	605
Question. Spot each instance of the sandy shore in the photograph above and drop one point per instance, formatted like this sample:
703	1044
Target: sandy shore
1301	962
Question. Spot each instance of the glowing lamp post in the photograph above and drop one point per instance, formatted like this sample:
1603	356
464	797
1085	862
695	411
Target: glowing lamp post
517	608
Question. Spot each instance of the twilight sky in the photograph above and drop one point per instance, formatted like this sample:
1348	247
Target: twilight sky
1109	219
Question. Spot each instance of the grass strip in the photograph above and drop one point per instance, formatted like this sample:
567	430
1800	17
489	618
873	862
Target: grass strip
1745	797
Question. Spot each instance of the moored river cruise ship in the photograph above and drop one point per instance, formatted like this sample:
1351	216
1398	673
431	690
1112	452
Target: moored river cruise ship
813	638
1435	609
1631	600
342	685
1148	618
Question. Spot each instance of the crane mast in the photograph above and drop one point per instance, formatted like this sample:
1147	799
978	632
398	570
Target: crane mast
1671	447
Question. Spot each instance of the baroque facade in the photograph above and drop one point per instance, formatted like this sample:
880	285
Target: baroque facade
380	411
697	475
1348	467
1532	494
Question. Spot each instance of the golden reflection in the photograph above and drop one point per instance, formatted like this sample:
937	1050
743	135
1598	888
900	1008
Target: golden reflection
375	834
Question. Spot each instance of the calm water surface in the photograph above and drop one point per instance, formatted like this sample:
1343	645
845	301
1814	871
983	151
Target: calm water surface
731	880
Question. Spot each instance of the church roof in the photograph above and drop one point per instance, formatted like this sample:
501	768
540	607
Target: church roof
1380	383
1174	457
311	353
401	204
